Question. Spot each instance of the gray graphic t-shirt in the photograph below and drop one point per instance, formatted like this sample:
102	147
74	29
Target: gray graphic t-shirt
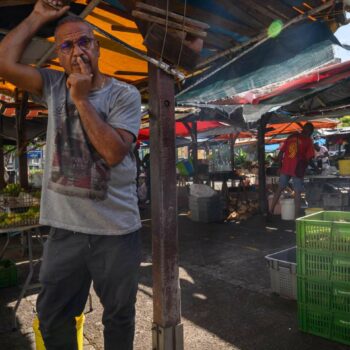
80	191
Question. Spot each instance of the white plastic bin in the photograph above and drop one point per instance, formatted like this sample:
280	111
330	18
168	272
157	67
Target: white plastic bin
287	209
283	272
206	209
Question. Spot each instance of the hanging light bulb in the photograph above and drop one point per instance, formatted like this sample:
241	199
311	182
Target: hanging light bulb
275	28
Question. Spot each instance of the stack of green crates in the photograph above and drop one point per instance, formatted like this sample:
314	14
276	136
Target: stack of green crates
323	275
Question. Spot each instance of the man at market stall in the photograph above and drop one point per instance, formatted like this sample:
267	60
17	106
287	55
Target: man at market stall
321	156
88	191
294	157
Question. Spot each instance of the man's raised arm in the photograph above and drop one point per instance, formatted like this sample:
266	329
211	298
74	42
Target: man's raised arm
16	41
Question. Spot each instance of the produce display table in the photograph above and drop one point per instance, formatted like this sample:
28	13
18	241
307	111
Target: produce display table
223	177
28	231
326	177
324	191
275	179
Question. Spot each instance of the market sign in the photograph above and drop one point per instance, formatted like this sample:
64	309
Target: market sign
34	154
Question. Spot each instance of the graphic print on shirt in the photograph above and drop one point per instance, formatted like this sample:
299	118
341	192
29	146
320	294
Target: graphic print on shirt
292	149
77	169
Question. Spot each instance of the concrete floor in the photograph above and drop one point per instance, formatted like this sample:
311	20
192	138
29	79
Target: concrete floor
226	298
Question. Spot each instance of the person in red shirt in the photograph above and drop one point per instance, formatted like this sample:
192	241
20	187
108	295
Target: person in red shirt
294	156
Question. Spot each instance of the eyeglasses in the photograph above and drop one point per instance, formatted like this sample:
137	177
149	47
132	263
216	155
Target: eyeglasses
84	43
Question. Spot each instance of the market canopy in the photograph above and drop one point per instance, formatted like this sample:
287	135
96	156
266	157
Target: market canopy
182	131
320	93
294	127
204	36
296	50
185	37
221	131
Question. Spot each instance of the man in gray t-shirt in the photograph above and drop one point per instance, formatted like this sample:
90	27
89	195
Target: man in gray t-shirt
89	190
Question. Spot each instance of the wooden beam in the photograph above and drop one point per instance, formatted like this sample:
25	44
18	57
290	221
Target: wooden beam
241	14
183	20
253	12
214	20
121	28
113	10
5	3
219	41
127	72
31	105
262	9
169	24
175	50
167	328
279	8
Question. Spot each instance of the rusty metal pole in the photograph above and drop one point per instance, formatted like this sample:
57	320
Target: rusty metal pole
2	160
261	161
167	328
195	152
233	139
21	112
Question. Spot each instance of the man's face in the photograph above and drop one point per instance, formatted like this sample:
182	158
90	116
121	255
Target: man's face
75	40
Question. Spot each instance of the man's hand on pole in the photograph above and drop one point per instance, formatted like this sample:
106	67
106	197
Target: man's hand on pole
50	10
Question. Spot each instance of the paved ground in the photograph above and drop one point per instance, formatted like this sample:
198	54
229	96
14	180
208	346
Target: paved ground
226	300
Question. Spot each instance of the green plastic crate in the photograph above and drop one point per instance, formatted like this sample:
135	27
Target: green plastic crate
8	273
323	272
340	268
330	325
341	297
323	266
329	296
315	265
325	231
314	321
314	293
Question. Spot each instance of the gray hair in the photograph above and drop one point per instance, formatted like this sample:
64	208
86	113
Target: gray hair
72	19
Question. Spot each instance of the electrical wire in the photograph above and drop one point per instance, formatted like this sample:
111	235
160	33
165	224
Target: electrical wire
183	34
166	30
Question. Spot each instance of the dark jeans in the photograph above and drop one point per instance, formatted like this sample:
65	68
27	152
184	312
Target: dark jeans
71	261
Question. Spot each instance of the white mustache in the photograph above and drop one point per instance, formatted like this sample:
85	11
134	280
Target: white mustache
85	60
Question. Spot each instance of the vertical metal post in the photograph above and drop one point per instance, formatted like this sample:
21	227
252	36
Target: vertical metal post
261	161
233	139
167	328
195	152
232	154
2	162
21	112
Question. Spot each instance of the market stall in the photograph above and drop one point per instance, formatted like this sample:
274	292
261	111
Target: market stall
180	47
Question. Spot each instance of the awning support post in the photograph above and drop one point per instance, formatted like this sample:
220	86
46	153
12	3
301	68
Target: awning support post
21	113
194	147
2	159
261	161
233	139
167	328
